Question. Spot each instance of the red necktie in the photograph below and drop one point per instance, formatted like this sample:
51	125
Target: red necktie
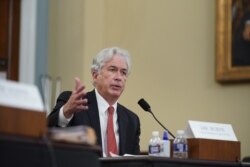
111	142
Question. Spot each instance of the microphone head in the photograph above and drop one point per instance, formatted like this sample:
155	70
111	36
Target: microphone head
144	105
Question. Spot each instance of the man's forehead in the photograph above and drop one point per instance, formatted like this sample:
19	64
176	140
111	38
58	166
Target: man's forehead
116	66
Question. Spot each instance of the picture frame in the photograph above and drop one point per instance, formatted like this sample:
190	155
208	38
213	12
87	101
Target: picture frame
225	70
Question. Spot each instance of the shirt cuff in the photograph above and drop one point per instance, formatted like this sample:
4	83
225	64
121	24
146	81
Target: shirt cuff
63	122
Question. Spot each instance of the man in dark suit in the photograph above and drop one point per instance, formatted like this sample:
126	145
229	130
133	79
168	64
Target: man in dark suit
110	70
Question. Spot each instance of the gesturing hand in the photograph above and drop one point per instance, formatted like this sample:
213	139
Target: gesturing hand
76	102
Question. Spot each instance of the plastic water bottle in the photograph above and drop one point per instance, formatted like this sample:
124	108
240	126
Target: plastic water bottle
165	147
154	147
180	145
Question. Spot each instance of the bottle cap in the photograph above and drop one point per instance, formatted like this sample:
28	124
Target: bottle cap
155	133
180	132
165	135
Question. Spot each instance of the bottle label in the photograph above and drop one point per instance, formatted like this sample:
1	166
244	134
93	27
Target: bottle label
154	149
165	148
180	147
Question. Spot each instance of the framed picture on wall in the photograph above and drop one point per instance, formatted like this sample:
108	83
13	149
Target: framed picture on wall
232	40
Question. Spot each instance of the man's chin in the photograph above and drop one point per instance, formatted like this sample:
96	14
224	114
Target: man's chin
116	93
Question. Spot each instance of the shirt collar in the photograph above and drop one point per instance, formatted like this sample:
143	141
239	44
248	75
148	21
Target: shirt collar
102	103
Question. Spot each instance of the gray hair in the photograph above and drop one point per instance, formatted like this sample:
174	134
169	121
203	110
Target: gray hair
106	54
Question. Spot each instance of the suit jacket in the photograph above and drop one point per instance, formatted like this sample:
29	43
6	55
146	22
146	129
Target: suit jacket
128	122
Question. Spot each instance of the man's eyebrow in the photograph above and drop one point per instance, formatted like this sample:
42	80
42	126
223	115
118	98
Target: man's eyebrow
113	66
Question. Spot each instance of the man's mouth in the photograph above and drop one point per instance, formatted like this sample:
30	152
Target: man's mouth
116	87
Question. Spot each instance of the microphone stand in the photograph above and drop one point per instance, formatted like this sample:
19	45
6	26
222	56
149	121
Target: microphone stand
160	123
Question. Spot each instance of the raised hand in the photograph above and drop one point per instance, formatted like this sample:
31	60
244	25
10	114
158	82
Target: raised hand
77	101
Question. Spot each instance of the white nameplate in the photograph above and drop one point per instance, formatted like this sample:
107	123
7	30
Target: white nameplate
210	130
19	95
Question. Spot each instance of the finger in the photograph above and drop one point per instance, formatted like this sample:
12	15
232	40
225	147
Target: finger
79	94
80	89
77	83
83	102
82	108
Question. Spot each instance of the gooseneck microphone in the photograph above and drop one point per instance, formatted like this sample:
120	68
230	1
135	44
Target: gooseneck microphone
146	107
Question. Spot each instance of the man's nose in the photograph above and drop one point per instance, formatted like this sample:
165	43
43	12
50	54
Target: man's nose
118	75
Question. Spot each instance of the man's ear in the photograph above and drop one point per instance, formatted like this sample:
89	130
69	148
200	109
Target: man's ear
94	74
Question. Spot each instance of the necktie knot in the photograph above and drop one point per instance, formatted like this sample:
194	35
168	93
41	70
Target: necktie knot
111	110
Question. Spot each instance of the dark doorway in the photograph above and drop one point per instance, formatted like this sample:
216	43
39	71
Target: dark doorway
9	38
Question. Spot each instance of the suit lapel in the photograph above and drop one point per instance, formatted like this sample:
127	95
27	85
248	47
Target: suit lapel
122	122
94	116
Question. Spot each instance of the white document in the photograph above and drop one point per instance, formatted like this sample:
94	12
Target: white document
19	95
210	130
